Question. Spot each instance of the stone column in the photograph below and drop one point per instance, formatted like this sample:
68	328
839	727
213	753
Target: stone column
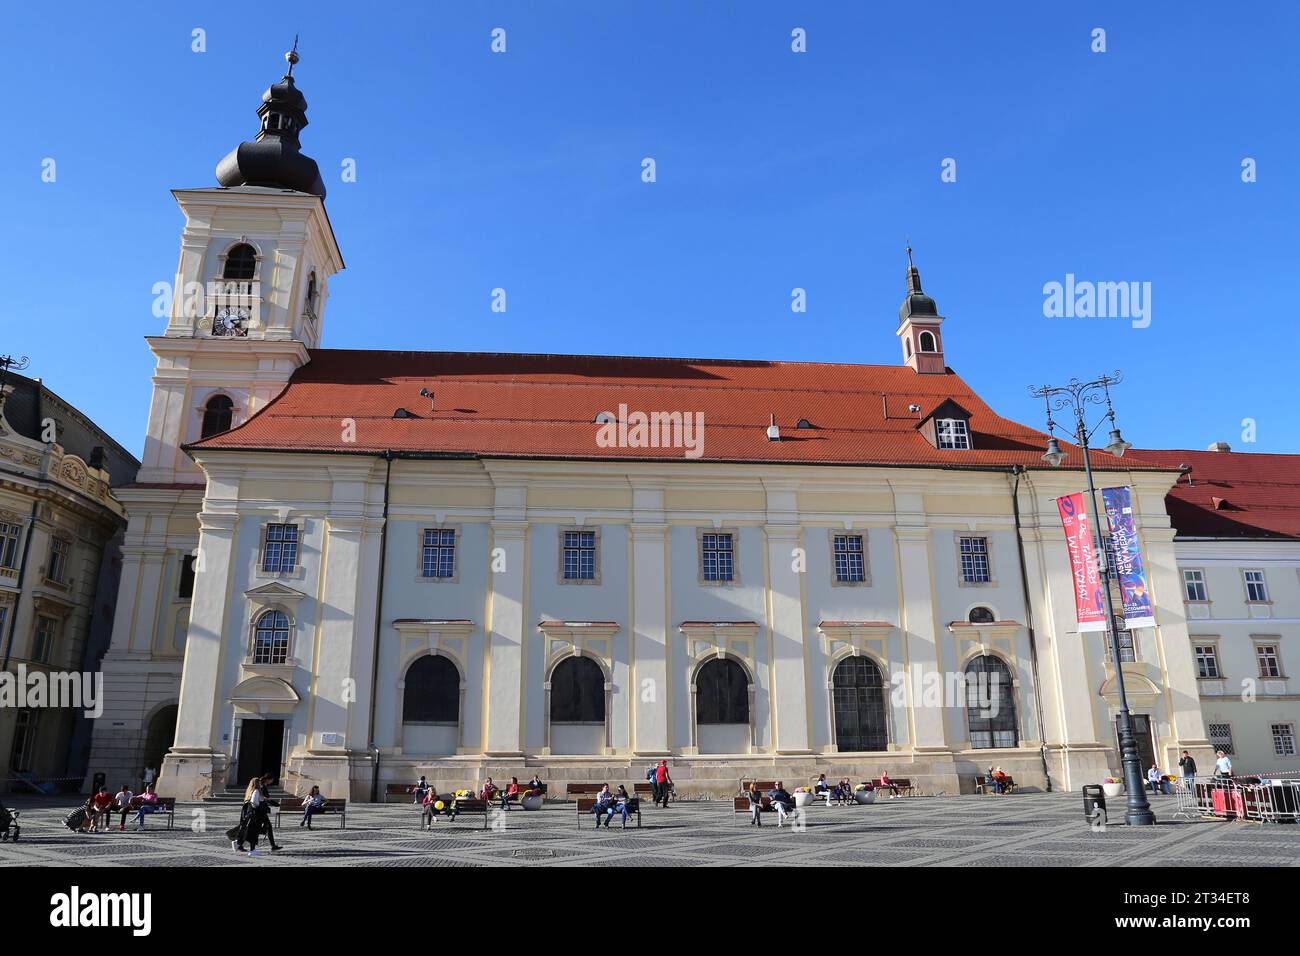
919	631
508	569
195	760
650	634
785	602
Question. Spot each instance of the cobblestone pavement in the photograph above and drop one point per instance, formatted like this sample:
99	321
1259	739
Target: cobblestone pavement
1020	830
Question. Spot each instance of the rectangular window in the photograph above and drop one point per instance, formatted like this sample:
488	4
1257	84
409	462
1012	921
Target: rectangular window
717	559
24	745
952	433
579	555
186	589
1283	740
1221	738
1194	585
1207	661
1269	663
849	565
438	553
1256	590
975	560
47	629
60	550
280	551
9	536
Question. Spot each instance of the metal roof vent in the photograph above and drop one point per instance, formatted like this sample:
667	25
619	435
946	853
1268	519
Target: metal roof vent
1219	446
803	423
401	413
773	432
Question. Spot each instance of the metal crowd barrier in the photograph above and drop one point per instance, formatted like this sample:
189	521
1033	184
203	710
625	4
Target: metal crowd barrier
1265	798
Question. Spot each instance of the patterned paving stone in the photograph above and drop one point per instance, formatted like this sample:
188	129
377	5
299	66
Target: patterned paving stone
1029	829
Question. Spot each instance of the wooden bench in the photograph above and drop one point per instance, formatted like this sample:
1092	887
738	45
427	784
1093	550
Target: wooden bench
587	807
473	805
740	804
399	790
294	805
898	785
583	789
644	791
984	784
165	805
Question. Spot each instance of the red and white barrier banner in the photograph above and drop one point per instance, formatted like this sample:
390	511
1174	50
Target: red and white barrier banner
1089	601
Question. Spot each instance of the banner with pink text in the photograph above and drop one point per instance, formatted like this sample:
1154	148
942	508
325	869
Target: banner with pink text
1089	601
1126	556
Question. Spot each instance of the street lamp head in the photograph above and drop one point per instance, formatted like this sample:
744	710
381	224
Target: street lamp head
1054	455
1117	445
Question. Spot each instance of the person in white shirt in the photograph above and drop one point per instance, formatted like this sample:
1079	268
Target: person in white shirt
1155	778
1222	765
122	805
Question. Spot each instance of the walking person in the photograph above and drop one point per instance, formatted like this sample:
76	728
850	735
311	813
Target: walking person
1222	765
664	781
260	819
651	779
310	804
239	833
1188	766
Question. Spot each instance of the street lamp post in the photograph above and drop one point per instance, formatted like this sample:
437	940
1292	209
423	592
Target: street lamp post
1076	397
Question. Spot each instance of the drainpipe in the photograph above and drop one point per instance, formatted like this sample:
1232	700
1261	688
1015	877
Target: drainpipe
1018	471
379	625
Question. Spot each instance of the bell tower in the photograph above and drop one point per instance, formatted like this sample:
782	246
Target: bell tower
918	327
257	253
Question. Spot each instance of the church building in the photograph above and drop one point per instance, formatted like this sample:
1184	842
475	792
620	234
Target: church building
350	568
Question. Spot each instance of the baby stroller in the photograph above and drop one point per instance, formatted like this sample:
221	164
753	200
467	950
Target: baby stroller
9	828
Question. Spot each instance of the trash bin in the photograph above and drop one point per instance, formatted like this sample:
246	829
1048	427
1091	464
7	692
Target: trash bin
1094	803
97	781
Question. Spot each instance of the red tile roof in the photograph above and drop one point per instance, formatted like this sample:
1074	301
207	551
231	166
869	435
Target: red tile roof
544	406
1231	494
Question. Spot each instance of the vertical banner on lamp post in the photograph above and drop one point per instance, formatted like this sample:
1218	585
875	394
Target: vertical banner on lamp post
1126	552
1089	601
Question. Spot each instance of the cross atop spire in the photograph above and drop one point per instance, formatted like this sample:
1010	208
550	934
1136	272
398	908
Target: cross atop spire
292	55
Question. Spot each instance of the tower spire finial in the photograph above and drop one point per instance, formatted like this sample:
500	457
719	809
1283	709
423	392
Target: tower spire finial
292	55
909	252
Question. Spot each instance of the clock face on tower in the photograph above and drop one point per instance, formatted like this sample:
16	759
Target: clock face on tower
230	321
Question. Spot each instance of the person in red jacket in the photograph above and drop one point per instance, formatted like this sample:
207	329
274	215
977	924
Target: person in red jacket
664	782
102	805
510	793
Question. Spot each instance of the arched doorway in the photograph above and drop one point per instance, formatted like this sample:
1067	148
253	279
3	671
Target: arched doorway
159	737
858	697
577	701
990	704
431	706
722	708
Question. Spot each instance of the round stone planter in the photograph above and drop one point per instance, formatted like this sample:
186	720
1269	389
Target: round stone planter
531	802
864	796
802	800
1112	789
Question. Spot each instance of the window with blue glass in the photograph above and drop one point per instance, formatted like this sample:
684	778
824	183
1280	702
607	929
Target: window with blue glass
850	568
280	549
438	554
579	555
717	556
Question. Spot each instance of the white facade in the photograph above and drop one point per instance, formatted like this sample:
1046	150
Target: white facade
1246	648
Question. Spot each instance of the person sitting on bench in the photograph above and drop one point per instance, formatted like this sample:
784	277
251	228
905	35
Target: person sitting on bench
822	789
620	804
886	783
510	793
311	804
782	800
604	806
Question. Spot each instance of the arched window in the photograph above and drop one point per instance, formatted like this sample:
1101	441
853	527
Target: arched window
241	262
990	704
271	638
578	692
721	693
311	293
217	416
908	344
858	694
980	615
927	342
432	692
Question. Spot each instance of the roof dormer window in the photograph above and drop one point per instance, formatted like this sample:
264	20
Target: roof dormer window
952	433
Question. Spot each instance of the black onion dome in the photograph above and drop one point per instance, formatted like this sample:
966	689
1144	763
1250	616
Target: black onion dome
275	158
917	304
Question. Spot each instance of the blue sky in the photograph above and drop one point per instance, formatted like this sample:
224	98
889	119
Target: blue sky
775	170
